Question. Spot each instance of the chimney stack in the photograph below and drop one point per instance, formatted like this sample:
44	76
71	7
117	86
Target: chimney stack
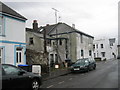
73	25
35	25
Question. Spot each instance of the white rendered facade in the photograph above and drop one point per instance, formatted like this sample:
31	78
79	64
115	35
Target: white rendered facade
105	48
12	40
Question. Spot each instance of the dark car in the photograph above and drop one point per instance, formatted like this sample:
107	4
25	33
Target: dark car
15	77
85	64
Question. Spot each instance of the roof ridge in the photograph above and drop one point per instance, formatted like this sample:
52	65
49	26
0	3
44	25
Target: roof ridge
10	12
53	28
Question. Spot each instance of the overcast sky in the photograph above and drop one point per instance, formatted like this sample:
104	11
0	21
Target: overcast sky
98	18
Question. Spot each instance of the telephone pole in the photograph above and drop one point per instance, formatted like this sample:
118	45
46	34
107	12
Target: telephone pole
56	35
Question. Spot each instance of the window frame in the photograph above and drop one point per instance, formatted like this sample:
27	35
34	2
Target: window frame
2	25
102	46
103	54
31	41
90	52
60	42
82	52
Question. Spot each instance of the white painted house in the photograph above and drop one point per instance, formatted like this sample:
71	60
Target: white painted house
12	36
105	48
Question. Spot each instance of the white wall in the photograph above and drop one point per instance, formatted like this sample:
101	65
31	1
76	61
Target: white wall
14	35
14	30
106	48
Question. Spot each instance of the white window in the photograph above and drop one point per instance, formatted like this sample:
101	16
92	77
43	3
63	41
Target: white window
19	56
90	53
101	45
103	54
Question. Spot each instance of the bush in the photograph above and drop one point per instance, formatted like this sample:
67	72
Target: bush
44	68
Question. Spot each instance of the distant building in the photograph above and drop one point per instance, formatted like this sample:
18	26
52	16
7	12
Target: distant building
105	48
12	36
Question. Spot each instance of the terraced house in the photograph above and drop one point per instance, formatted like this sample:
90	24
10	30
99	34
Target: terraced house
12	36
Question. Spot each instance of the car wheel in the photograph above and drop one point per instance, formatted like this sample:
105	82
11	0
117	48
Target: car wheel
94	67
35	85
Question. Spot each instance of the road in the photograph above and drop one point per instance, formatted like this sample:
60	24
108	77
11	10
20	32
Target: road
105	76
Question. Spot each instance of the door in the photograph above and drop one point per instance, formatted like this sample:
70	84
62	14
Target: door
19	55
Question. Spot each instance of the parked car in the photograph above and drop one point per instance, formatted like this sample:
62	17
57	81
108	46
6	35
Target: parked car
85	64
15	77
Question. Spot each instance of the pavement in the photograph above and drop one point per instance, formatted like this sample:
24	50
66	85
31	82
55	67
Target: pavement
55	73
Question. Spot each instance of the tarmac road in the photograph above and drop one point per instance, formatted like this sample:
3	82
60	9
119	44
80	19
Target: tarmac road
105	76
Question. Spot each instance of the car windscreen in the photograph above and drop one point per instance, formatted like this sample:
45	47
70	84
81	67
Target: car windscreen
80	62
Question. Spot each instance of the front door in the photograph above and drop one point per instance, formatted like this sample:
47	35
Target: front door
19	56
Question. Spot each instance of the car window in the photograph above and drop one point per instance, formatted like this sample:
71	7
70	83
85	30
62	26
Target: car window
10	70
86	62
3	72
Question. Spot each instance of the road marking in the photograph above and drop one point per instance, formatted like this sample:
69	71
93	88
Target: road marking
61	82
70	79
50	86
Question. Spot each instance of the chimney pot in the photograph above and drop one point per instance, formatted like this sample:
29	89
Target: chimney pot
47	24
35	21
35	25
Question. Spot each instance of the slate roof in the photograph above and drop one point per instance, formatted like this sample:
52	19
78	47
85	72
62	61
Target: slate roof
5	10
40	35
49	29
